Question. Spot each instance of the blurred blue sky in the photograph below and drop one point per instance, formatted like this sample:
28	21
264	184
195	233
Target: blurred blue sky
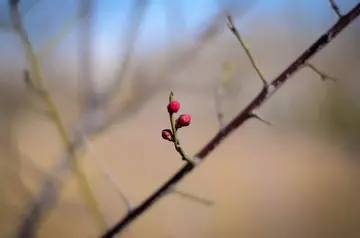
111	18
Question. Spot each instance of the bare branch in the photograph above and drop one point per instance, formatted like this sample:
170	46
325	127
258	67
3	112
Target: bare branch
108	174
136	18
335	7
322	75
192	197
64	31
247	50
88	99
259	100
227	74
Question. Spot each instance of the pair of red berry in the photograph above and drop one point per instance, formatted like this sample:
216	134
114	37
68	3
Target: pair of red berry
182	121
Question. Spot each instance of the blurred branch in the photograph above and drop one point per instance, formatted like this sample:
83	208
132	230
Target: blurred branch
226	76
266	92
28	227
64	31
7	25
137	15
335	8
192	197
108	174
87	97
322	75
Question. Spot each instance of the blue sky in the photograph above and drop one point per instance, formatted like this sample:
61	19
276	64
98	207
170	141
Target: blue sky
111	19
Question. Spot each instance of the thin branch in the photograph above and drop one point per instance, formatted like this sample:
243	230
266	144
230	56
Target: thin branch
192	197
247	50
243	116
108	174
335	7
87	94
322	75
64	31
226	74
137	16
27	228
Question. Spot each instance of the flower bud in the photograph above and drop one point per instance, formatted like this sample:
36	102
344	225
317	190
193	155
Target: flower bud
167	135
173	107
183	120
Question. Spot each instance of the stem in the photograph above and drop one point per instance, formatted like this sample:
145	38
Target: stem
174	133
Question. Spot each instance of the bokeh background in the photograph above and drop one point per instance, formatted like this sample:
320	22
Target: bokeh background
298	178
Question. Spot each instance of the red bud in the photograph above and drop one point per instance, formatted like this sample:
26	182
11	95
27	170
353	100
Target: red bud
183	120
167	135
173	107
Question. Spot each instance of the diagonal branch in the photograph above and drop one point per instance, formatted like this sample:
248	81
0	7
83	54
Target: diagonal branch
242	117
137	16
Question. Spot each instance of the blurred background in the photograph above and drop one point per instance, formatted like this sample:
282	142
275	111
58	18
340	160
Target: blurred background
298	178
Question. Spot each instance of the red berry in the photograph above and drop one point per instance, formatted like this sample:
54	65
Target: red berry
173	106
183	120
167	135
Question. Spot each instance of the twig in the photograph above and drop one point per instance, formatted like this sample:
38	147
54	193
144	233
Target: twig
227	74
322	75
64	31
87	96
247	50
108	174
192	197
335	7
137	16
243	116
38	82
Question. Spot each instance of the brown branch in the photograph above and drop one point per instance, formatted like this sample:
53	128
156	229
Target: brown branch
322	75
335	7
266	92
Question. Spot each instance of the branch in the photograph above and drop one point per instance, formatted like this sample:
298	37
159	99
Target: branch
260	99
227	74
335	8
108	174
192	197
87	94
136	18
322	75
27	229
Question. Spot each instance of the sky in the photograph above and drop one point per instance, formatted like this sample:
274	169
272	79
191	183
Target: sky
111	19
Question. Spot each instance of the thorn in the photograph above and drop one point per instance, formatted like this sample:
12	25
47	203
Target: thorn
256	116
335	8
322	75
192	197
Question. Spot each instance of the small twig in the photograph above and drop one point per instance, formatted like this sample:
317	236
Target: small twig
322	75
335	7
64	31
137	16
107	173
239	119
247	50
176	140
192	197
227	74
